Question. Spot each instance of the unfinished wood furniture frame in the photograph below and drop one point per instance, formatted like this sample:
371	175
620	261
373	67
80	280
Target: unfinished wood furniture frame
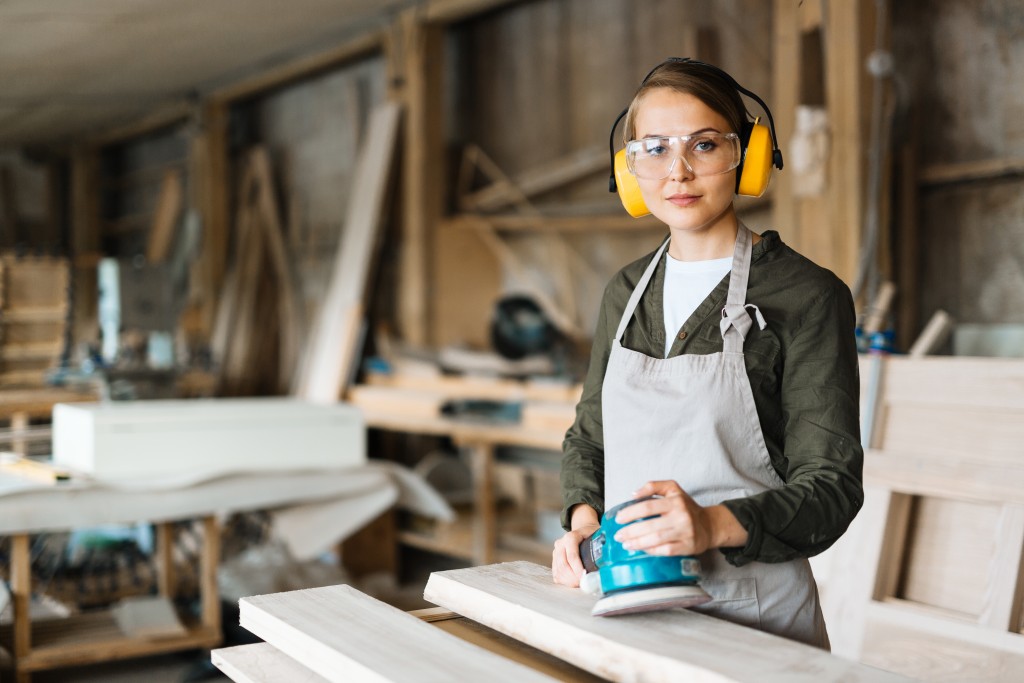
95	637
929	580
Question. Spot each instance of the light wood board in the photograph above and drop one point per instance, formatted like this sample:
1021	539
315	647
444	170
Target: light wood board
261	662
520	600
344	635
332	349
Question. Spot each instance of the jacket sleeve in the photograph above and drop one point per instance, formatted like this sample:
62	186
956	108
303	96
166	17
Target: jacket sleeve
582	475
820	394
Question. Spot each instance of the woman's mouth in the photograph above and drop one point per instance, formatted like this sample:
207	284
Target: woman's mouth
683	199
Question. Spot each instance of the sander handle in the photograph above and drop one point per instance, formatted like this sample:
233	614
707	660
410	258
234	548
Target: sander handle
591	549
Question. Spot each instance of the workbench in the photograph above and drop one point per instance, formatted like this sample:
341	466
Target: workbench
19	406
28	507
474	539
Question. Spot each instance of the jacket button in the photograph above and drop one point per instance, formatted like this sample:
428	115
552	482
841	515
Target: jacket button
682	335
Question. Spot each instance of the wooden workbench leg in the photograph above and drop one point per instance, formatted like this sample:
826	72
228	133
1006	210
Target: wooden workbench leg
208	561
165	579
19	425
21	596
485	518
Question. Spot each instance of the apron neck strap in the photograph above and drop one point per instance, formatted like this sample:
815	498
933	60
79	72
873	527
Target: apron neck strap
736	321
638	291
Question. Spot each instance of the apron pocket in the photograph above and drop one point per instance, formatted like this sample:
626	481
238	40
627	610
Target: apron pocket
735	600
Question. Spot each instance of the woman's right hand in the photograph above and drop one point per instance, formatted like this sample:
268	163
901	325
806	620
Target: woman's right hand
566	565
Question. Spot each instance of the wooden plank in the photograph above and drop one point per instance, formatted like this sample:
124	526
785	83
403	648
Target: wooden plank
305	626
924	644
935	334
520	600
977	382
261	663
21	595
946	476
537	180
1001	606
332	350
209	558
165	217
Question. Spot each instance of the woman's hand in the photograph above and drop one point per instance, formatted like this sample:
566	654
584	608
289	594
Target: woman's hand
566	565
679	526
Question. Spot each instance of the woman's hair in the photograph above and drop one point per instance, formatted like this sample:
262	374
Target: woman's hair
707	84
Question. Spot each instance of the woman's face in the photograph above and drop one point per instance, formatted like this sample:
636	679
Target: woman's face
684	201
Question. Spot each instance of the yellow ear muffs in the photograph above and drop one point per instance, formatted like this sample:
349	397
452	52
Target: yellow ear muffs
628	188
756	170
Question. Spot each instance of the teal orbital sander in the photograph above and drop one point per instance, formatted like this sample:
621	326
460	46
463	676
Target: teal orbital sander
631	581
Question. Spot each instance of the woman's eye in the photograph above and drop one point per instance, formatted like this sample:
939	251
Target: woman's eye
655	149
705	145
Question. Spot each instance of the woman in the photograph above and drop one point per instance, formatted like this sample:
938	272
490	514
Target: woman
723	379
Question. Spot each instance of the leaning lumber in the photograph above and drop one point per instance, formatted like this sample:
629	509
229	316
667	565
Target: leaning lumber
520	600
261	663
344	635
333	347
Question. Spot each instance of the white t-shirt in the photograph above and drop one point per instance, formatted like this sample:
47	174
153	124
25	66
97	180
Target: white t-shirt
687	284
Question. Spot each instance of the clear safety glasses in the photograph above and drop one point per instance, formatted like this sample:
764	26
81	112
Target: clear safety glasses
704	154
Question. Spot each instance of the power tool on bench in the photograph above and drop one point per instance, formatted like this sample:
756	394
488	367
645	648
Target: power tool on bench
632	581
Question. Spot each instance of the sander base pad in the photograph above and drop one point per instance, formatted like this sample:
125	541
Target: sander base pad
650	600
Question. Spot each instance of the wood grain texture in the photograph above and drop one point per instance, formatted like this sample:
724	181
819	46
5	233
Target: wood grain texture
520	600
344	635
261	663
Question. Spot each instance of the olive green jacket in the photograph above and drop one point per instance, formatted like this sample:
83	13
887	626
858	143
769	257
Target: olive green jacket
804	375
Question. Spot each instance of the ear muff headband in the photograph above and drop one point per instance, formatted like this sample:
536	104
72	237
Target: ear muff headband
760	151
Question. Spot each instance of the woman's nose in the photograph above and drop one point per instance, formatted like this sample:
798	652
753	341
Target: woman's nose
680	170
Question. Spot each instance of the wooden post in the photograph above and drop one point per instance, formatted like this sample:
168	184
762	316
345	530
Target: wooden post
21	595
19	425
485	521
85	241
165	579
373	548
211	180
208	561
416	61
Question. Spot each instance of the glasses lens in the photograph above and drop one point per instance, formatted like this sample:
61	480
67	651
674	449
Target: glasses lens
704	154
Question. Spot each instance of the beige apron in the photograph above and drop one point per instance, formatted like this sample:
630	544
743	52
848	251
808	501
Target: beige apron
692	419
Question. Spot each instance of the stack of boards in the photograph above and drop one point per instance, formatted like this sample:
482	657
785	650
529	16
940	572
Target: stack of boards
340	634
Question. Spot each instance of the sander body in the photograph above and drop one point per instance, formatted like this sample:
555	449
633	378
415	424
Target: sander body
631	581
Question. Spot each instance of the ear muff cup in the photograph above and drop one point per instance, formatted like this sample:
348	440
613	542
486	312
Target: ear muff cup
628	188
756	168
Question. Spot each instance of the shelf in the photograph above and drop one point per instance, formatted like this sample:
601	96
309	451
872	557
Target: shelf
95	637
455	539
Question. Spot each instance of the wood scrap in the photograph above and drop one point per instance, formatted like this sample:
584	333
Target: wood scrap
332	349
165	217
375	642
935	334
520	600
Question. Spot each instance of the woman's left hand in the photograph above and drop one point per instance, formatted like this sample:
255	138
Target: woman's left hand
679	526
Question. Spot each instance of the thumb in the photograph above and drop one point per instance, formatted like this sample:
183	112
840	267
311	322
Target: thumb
665	487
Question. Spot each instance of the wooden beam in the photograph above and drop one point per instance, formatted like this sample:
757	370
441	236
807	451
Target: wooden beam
785	91
937	175
160	117
844	87
210	167
944	476
416	54
538	180
344	635
520	600
451	11
302	67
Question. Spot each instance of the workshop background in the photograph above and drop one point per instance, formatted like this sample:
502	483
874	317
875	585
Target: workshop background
393	217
